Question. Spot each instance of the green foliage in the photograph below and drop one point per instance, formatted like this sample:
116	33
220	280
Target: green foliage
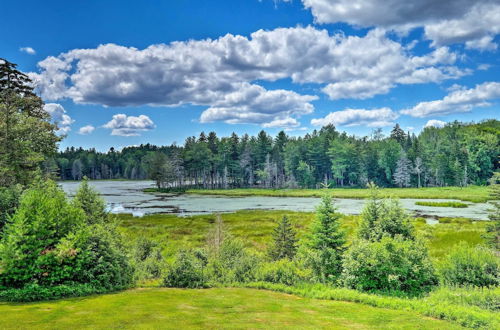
27	137
328	239
467	265
187	271
487	298
492	235
443	204
148	259
283	271
389	265
9	200
232	264
382	218
91	203
49	244
284	241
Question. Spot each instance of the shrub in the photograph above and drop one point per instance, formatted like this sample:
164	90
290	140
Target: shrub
148	259
465	265
233	263
187	271
283	271
389	265
49	244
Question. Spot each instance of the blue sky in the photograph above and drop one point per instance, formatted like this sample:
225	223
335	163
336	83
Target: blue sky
133	72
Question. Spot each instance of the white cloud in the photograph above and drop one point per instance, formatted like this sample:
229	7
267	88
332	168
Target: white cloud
435	123
28	50
354	117
445	22
123	125
219	73
59	117
254	104
460	100
86	130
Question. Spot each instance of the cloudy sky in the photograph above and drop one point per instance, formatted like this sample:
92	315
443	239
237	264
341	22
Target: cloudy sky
118	73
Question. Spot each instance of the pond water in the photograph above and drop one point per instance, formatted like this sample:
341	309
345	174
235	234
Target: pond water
127	197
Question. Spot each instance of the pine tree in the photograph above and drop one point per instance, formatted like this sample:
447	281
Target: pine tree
91	203
285	241
328	239
492	235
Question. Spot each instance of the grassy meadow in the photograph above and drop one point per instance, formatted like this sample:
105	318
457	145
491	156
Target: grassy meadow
476	194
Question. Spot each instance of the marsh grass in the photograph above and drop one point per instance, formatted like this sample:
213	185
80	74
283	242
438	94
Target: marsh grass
443	204
476	194
255	227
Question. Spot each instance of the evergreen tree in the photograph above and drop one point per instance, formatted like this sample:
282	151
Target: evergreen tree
91	203
492	235
328	239
284	241
26	135
398	134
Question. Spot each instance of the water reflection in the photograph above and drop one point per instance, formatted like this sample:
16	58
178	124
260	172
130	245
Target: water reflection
127	197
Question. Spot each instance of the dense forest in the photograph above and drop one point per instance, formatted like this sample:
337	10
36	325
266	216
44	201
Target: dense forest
457	154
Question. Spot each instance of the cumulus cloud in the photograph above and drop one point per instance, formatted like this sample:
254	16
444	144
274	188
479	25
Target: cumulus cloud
254	104
28	50
354	117
221	73
435	123
458	100
123	125
474	23
59	117
86	130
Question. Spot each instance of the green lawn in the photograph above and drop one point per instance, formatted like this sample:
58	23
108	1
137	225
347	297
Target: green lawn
471	193
209	308
255	228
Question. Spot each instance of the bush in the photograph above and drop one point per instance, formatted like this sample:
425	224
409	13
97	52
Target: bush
50	245
232	264
283	271
187	271
465	265
391	265
148	259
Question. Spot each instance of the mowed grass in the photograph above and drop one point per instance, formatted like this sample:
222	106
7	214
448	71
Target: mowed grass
255	227
474	194
209	308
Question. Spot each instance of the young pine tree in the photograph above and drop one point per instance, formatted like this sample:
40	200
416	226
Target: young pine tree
91	203
328	239
285	241
492	235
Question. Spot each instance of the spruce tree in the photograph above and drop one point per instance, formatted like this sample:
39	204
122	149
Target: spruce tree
492	235
91	203
285	241
328	239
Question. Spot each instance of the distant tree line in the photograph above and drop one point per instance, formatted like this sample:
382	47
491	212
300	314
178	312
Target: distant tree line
458	154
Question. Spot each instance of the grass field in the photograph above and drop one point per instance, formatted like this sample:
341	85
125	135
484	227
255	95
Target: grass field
210	308
255	229
475	194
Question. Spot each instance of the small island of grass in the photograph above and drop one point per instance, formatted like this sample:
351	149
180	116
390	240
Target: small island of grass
442	204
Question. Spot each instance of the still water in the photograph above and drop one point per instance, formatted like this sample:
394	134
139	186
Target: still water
127	197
